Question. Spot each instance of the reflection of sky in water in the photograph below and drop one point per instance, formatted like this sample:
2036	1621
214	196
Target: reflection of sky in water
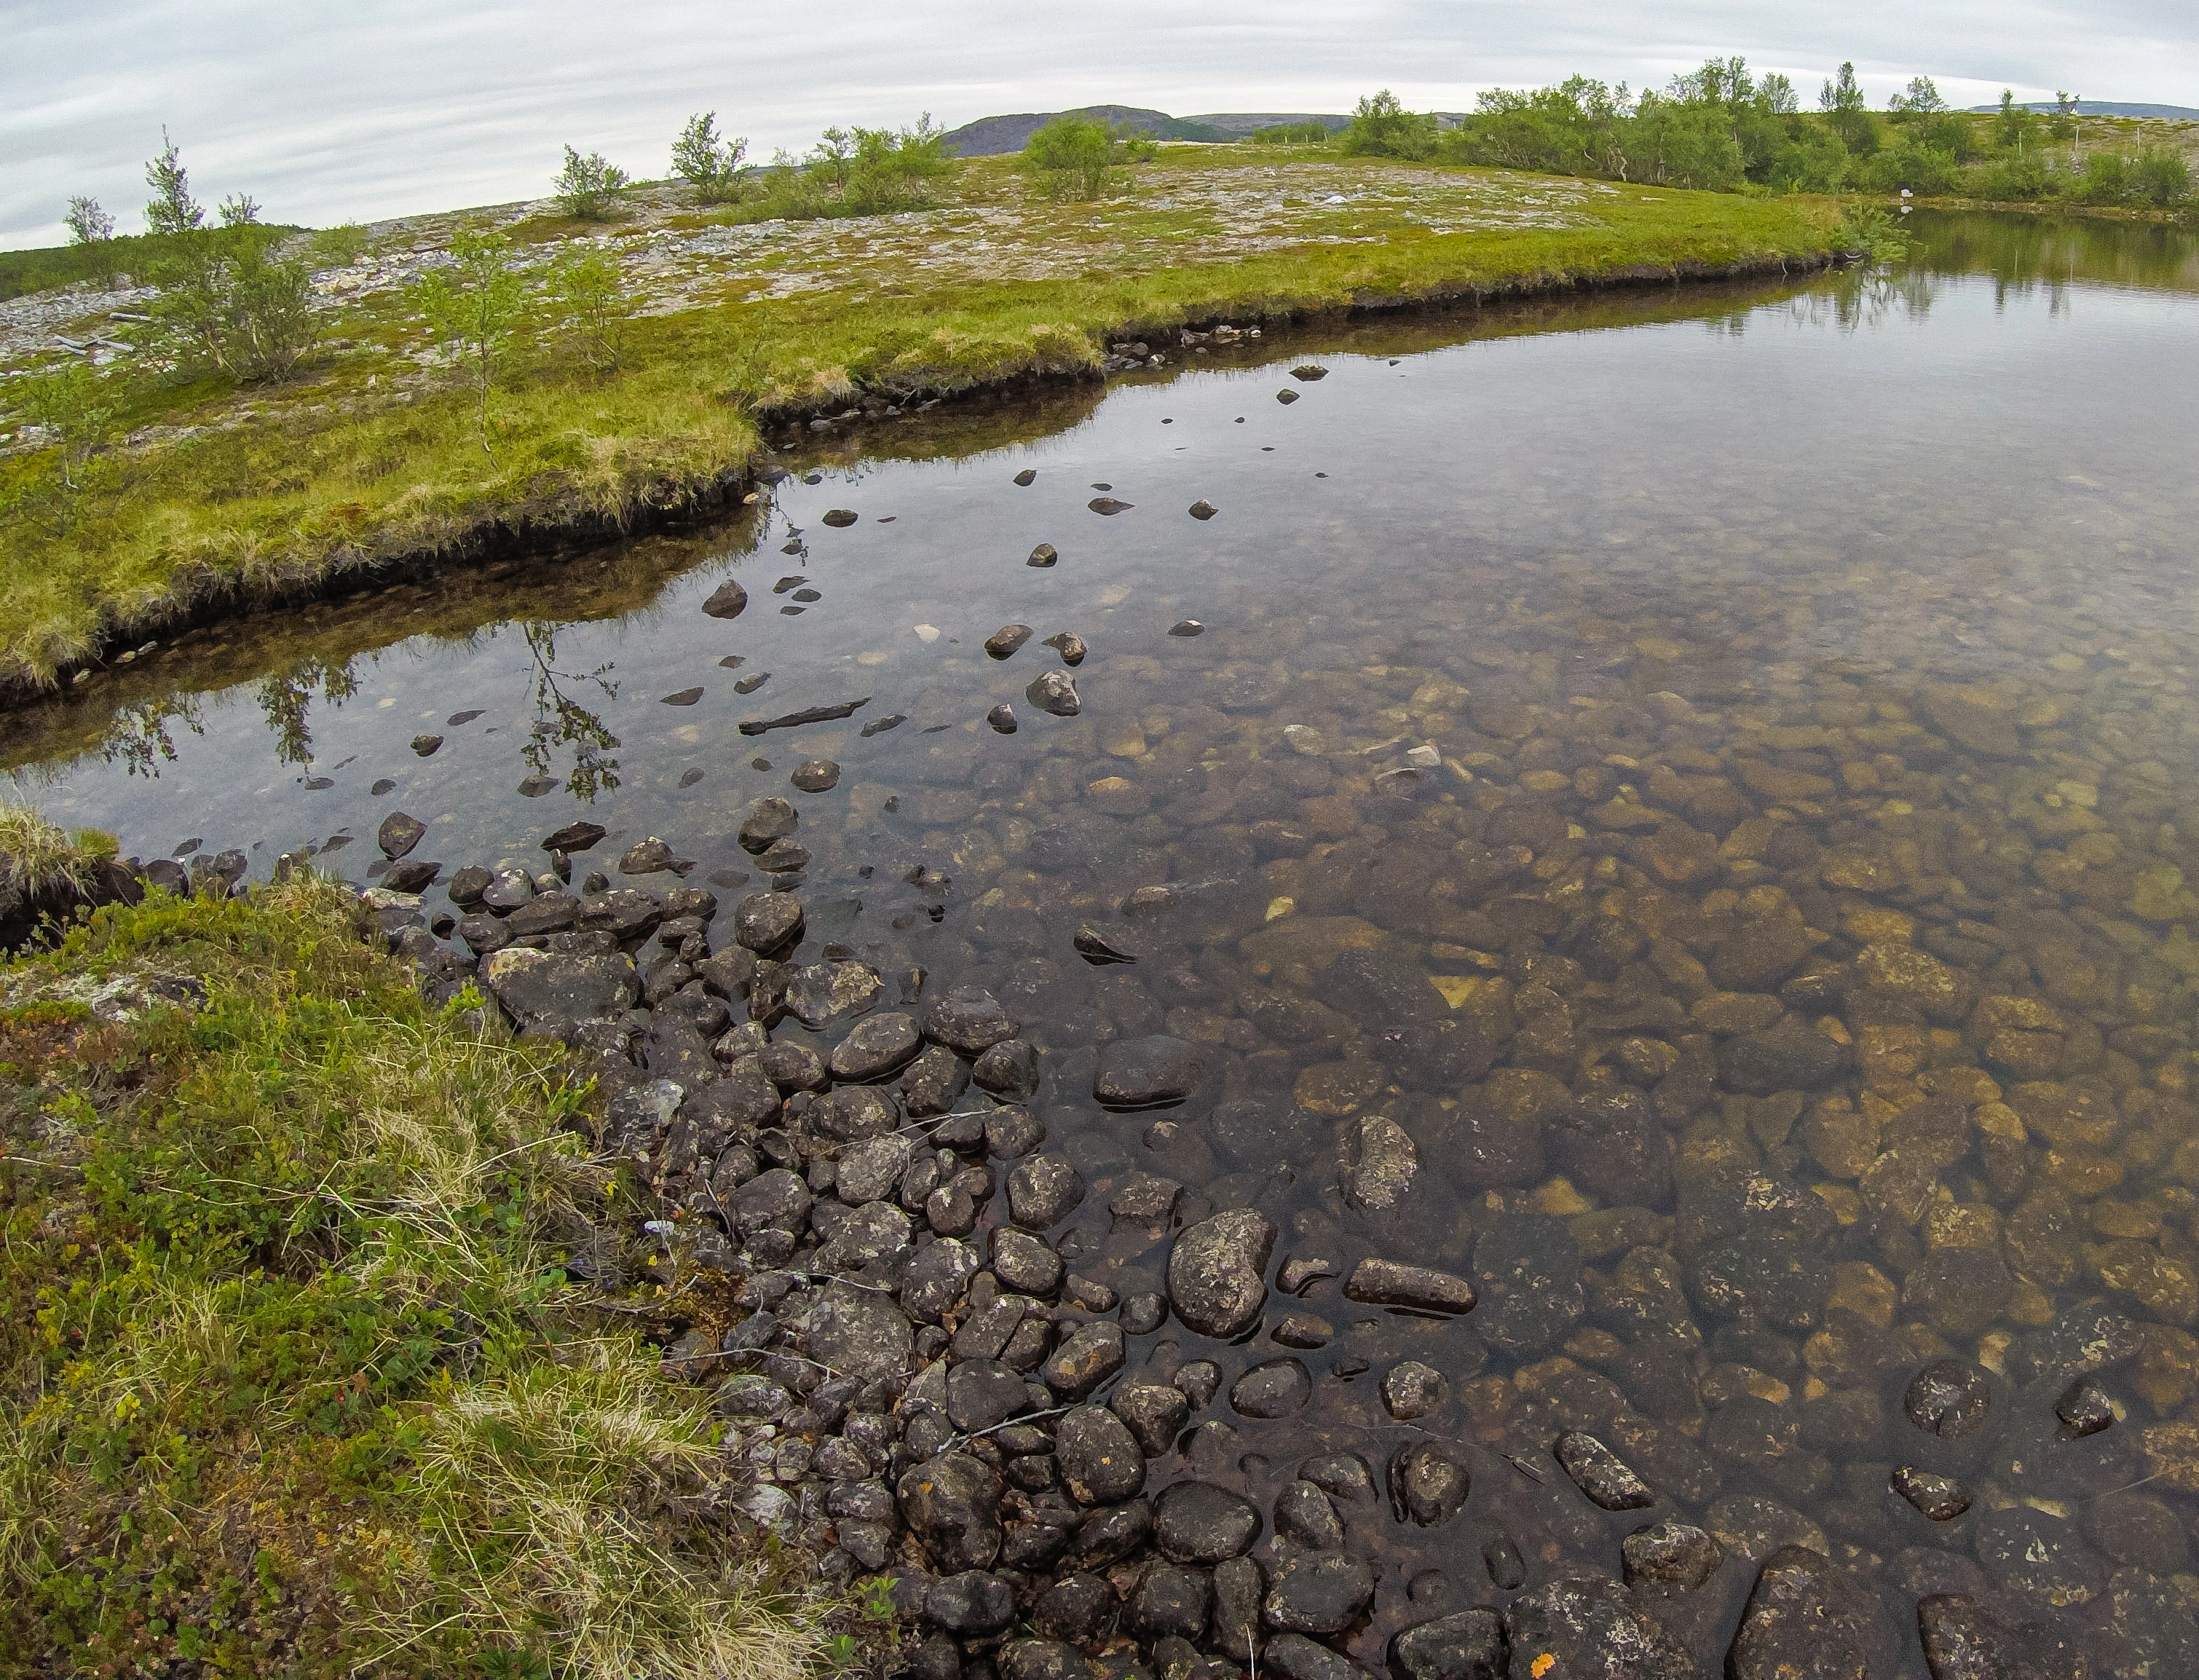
1939	429
1823	662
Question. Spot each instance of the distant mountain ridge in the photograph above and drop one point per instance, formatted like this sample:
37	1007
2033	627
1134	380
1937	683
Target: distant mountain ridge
990	137
2100	108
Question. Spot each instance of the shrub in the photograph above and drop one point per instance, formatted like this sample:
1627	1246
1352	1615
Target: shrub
471	307
1866	228
2160	179
338	246
239	210
587	284
1291	134
1075	157
1382	127
1919	168
707	162
239	314
585	186
88	224
893	170
75	412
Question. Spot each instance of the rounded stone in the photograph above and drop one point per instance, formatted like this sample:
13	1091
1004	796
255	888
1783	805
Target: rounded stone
1427	1487
1670	1557
876	1047
1196	1522
1100	1460
967	1019
1043	1191
1025	1264
1217	1273
982	1393
952	1503
1412	1389
1594	1627
1318	1592
1147	1072
816	775
1276	1388
766	922
1941	1498
1008	1070
1949	1398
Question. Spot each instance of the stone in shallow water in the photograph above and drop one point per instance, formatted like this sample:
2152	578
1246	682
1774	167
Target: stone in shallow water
1146	1072
1412	1389
766	821
1594	1627
1467	1646
815	775
1276	1388
1002	717
952	1504
1202	509
839	518
398	834
1003	641
1941	1498
1044	555
425	746
1427	1485
876	1047
2038	1555
728	600
1670	1558
967	1019
766	922
1217	1273
1055	692
1600	1474
1949	1398
1068	645
1043	1191
2084	1409
1100	1460
1318	1592
1806	1620
1196	1522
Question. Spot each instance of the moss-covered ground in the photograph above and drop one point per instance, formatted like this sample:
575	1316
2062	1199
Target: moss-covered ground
374	450
294	1383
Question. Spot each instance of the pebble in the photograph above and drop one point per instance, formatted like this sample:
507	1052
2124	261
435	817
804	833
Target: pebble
1054	692
816	775
728	600
1941	1498
1027	477
1003	641
1002	717
839	518
1068	645
1949	1398
1600	1474
1186	626
1044	555
1216	1270
1203	509
1109	505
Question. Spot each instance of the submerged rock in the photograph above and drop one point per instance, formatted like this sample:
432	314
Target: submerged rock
1806	1620
1217	1273
1592	1628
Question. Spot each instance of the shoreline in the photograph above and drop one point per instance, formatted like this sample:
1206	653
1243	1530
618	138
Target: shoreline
494	535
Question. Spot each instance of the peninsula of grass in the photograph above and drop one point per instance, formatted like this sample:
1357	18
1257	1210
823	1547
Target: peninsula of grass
296	1381
373	452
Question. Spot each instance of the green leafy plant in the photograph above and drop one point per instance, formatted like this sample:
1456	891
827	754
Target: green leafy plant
1075	157
239	210
585	185
339	247
859	171
172	208
87	223
242	315
1867	228
472	306
708	161
588	285
1382	127
76	413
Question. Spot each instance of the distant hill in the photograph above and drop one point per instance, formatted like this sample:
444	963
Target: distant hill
989	137
1244	122
2102	108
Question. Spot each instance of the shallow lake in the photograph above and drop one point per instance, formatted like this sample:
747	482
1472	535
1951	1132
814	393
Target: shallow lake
1680	807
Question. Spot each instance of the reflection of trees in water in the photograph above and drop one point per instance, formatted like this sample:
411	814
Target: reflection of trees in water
138	737
561	720
2024	252
286	697
1856	298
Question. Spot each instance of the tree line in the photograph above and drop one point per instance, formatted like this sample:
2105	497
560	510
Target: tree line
1722	129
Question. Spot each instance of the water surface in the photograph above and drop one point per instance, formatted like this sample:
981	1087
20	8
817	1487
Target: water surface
1678	806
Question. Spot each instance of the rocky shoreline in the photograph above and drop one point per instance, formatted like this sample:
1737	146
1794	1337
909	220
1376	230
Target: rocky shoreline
877	1253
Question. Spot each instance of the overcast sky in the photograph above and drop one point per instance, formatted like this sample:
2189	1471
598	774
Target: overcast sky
379	107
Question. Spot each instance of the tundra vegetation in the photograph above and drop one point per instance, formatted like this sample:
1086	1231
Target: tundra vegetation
295	403
298	1383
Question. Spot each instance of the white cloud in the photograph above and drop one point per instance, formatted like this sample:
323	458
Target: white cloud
389	106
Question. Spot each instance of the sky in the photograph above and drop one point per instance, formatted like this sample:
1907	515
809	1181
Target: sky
327	114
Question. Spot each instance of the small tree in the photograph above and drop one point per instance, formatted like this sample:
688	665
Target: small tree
1922	98
172	208
70	406
1382	127
708	162
339	247
1074	157
587	283
585	186
471	306
240	315
88	224
239	210
1847	112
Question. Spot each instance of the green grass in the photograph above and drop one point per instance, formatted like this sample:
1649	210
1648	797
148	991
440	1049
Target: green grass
325	476
38	861
294	1385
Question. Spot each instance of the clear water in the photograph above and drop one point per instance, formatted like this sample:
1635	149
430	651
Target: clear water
1817	654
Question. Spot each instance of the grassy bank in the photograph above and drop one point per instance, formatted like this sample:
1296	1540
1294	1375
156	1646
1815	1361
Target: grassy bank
376	452
295	1384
